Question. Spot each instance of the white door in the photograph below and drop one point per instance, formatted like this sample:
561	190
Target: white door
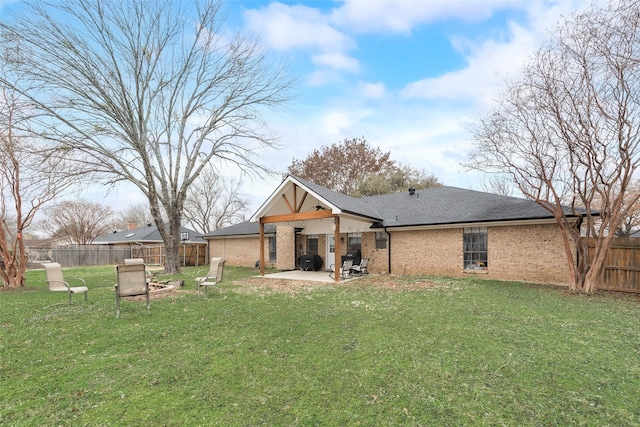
331	250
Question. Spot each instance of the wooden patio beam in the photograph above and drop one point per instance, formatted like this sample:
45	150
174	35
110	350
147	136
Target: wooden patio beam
284	196
301	216
301	202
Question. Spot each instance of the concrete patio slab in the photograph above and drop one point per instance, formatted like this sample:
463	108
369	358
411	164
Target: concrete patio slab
310	276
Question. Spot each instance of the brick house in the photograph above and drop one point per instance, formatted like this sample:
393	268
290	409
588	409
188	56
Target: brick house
437	231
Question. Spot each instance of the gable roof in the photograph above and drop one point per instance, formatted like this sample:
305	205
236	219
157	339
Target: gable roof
337	202
346	204
148	234
437	206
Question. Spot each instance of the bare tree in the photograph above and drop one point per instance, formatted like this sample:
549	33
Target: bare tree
153	91
568	131
498	184
29	178
631	205
78	222
213	202
138	214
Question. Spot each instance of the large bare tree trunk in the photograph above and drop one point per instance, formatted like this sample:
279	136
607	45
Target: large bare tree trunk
149	89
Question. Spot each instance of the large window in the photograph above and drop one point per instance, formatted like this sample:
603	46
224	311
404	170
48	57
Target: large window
272	250
312	244
475	248
354	243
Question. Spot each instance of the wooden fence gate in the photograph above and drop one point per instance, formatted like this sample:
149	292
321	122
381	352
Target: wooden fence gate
622	266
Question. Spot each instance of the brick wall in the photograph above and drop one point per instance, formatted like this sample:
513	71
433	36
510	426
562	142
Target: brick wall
285	248
378	258
533	253
242	251
436	252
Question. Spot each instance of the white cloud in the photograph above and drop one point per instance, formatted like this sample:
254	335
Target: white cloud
487	67
322	77
285	27
401	16
336	60
372	90
491	61
336	123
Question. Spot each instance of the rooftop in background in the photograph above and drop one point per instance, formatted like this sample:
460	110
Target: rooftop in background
146	234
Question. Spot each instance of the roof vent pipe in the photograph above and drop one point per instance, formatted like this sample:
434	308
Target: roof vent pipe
412	191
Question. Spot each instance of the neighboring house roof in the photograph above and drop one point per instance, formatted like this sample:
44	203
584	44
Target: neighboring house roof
245	228
148	234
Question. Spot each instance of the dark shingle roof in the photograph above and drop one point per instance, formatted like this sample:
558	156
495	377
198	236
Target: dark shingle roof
245	228
149	234
452	205
434	206
359	206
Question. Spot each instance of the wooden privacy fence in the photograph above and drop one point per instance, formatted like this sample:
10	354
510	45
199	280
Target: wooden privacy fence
622	266
88	255
155	254
73	256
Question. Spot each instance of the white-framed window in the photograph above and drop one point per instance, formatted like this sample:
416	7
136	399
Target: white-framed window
475	248
272	250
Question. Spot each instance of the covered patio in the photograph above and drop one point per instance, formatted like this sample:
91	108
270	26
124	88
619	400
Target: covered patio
314	210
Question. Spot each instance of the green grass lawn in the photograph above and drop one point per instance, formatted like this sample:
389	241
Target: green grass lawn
458	353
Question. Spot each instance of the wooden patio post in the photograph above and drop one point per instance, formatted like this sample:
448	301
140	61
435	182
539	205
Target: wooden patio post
261	246
336	253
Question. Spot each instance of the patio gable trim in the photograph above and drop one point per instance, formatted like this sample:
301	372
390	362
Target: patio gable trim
298	216
292	206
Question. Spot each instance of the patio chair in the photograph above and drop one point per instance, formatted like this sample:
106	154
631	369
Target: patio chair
345	270
56	281
360	269
132	281
213	277
138	261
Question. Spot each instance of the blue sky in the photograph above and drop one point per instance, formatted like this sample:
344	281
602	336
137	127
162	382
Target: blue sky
407	75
